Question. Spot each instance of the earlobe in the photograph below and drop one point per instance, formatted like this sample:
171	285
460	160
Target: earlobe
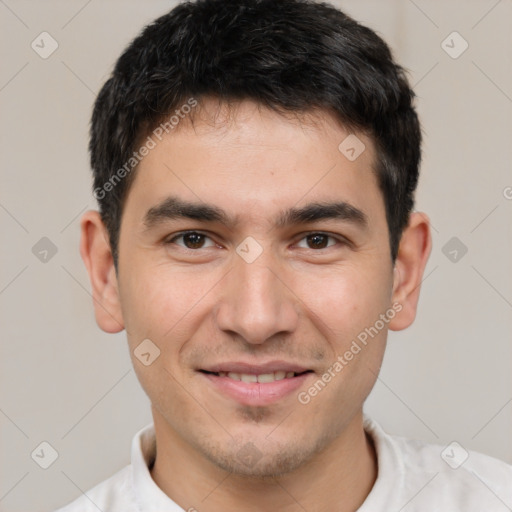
413	253
97	256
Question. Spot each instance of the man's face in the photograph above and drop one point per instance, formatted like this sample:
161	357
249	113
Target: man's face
259	294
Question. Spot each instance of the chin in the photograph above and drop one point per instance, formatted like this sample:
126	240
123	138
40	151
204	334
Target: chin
265	467
263	458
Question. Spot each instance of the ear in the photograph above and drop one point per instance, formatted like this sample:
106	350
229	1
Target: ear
413	253
97	256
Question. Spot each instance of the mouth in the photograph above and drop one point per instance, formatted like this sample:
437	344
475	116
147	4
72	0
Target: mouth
256	385
262	378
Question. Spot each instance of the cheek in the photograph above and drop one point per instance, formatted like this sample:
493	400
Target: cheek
163	306
346	299
157	301
351	305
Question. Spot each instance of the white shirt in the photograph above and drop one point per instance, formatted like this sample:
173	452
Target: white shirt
413	476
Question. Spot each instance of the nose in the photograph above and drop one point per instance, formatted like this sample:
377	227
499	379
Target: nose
256	303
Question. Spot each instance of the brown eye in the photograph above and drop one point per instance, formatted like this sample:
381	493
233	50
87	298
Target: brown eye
317	241
191	240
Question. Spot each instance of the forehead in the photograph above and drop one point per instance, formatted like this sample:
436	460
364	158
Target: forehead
252	161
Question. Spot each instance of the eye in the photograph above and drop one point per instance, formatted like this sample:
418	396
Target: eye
191	240
317	241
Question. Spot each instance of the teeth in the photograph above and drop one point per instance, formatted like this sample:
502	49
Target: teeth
262	378
246	377
266	377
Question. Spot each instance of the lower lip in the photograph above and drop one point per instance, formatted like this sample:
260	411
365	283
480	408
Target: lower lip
255	393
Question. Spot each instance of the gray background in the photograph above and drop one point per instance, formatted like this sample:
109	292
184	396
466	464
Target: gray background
64	381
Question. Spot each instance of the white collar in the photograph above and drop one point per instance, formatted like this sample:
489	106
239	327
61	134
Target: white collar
150	497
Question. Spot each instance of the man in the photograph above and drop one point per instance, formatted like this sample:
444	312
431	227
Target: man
255	163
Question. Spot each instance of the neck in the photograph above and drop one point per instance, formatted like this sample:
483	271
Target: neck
339	478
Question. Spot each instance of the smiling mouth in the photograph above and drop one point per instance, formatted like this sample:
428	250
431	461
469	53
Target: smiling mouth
262	378
256	385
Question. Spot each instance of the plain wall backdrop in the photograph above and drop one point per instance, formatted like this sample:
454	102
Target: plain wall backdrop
63	381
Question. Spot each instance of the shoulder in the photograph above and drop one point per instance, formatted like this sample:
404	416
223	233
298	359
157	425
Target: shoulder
465	475
113	494
447	477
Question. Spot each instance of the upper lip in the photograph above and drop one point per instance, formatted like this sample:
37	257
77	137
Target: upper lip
256	369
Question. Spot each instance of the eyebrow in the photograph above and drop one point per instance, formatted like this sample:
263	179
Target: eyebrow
173	208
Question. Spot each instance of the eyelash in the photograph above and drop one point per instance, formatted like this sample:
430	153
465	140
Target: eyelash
175	237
